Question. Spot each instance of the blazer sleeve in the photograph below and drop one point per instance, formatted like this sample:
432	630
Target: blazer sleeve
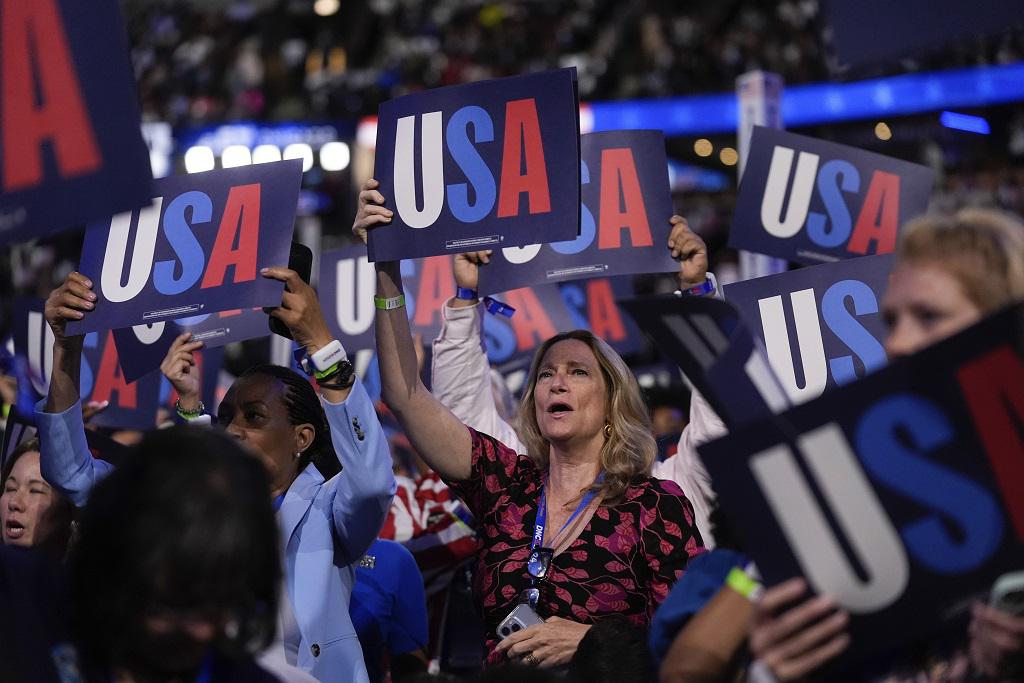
363	490
460	375
64	457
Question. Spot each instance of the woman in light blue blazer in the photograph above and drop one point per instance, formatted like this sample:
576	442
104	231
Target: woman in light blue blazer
326	523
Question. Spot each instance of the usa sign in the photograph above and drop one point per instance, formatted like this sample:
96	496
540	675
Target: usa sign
821	326
71	148
624	219
196	249
812	201
132	404
497	163
716	351
900	495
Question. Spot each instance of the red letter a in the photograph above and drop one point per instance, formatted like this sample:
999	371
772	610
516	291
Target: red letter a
242	216
42	99
623	210
522	133
109	379
434	290
880	215
602	311
530	323
994	388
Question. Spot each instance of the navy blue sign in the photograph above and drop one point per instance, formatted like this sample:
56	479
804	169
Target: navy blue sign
479	166
197	249
918	467
142	348
624	224
593	306
346	294
822	326
347	285
71	147
709	342
132	404
812	201
876	31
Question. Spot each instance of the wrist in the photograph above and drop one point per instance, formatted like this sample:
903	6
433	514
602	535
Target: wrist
189	401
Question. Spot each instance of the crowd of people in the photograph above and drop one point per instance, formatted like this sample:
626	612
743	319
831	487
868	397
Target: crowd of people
196	63
284	538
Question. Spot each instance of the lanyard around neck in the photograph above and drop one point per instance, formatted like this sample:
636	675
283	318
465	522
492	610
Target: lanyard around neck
542	513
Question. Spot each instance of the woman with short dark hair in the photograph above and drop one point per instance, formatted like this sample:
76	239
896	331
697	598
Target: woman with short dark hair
32	513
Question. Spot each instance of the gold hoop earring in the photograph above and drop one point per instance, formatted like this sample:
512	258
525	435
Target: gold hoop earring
607	430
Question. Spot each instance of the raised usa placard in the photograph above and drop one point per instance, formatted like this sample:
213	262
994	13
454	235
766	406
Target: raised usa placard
822	326
142	348
197	248
811	201
624	219
132	404
900	495
716	351
593	305
71	147
479	166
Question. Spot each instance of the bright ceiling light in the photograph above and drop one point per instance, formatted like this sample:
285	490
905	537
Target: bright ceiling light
264	154
234	156
335	156
326	8
199	159
300	150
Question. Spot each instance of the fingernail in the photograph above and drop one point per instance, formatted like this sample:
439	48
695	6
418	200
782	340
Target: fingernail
104	404
264	271
92	297
390	213
88	283
89	304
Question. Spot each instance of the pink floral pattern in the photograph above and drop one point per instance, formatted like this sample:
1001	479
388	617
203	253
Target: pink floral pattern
624	562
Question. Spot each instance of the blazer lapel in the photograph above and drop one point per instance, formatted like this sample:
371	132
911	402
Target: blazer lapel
297	501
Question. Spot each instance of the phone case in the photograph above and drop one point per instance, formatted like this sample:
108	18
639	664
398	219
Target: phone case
521	617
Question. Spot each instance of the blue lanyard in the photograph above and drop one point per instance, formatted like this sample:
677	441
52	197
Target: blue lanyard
542	514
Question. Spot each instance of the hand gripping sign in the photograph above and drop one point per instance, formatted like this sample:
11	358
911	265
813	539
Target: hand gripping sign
478	166
624	224
133	404
811	201
71	148
197	249
901	495
822	326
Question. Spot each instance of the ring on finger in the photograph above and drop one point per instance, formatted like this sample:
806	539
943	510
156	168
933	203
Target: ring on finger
530	659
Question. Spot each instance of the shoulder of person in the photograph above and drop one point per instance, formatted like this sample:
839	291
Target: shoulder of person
648	490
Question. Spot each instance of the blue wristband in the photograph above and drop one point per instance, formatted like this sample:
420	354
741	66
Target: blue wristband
495	307
466	294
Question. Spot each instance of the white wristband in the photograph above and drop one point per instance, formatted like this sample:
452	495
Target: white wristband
329	355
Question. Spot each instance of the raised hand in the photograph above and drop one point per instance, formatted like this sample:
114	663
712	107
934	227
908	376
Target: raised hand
793	637
466	269
70	301
179	367
300	310
689	249
370	212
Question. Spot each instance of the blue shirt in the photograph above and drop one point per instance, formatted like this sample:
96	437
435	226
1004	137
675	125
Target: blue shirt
388	606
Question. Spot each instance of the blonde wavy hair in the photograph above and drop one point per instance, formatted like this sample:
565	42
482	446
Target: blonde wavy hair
982	248
630	450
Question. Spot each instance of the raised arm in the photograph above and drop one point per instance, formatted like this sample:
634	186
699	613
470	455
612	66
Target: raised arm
460	376
64	458
436	434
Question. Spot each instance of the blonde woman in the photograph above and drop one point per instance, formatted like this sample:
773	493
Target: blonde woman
575	528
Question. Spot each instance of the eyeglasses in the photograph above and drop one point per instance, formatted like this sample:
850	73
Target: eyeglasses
537	567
